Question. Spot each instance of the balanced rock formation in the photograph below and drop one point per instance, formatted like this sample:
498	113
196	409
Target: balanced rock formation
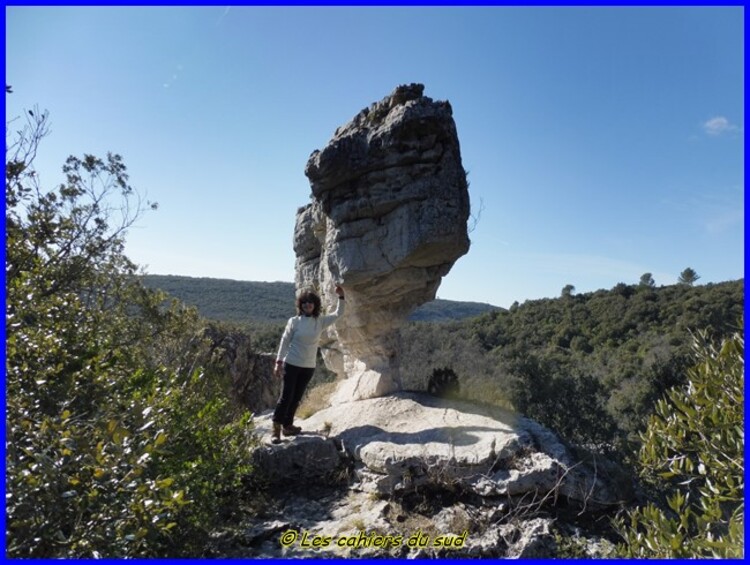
387	220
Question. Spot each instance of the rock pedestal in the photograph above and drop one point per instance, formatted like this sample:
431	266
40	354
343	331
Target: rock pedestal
408	462
387	220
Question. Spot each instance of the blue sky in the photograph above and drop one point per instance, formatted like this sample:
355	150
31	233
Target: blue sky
601	142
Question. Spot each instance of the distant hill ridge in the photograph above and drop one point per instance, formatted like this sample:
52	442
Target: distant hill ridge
270	302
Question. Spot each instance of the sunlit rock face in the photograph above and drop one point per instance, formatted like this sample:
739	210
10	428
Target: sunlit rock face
387	220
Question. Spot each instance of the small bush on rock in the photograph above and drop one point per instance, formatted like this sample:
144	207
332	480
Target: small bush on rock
444	383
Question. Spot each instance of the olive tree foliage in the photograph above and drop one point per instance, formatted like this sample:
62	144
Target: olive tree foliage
693	452
117	443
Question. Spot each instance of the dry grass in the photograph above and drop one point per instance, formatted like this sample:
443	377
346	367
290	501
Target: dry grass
316	399
486	393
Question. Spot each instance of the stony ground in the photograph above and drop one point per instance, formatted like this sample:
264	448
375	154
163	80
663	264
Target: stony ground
455	484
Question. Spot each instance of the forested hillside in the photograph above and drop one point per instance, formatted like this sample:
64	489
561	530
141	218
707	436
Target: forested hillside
228	300
590	366
252	303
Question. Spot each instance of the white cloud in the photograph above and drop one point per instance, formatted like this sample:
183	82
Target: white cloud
718	125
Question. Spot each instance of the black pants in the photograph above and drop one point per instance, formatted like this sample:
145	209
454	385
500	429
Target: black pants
296	380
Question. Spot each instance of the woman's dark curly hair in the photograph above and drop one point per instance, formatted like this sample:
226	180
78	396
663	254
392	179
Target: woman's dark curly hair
308	296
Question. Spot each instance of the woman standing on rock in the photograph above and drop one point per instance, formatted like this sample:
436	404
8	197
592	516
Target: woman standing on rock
296	358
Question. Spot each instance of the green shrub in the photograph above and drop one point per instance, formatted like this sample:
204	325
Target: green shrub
116	445
571	405
692	451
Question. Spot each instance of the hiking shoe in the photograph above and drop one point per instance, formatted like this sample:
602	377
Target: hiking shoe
276	433
291	430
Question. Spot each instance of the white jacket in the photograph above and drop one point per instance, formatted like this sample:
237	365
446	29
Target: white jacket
299	344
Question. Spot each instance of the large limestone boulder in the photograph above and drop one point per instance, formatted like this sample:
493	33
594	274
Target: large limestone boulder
387	220
406	462
404	441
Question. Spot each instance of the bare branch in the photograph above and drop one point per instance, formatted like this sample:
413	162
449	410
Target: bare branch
476	217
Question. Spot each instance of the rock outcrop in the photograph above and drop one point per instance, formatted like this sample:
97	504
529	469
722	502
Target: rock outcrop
253	383
491	481
387	220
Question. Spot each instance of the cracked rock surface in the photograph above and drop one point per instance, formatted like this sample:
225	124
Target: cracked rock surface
411	463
